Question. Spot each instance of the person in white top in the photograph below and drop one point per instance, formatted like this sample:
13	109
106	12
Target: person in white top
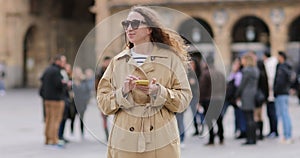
270	65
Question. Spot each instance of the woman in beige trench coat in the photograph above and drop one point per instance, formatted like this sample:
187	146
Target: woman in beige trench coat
145	125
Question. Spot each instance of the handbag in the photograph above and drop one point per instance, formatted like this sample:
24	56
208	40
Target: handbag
230	91
259	98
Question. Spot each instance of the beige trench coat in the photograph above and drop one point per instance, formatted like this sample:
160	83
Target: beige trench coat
144	126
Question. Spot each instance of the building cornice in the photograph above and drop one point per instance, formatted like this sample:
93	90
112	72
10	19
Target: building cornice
117	4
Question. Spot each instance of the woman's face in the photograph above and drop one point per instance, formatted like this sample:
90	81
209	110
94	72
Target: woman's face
236	65
139	35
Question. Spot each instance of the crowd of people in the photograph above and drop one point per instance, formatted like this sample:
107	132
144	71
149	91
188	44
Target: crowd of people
66	93
145	114
251	84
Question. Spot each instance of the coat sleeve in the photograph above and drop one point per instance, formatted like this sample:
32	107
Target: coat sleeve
177	97
245	77
110	99
58	80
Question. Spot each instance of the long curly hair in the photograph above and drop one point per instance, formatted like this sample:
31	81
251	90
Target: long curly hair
163	37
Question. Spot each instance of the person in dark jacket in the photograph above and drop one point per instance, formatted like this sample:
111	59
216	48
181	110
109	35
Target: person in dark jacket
264	88
296	83
246	92
194	77
212	90
282	85
54	95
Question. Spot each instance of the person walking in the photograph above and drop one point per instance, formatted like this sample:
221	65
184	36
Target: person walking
282	85
246	95
54	95
144	86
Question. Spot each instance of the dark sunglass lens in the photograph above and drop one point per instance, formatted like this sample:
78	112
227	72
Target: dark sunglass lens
125	24
135	24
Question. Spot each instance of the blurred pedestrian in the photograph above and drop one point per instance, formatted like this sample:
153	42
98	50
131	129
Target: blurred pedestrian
90	78
246	95
66	73
144	86
82	94
296	84
282	85
2	76
103	68
194	78
270	65
233	82
211	99
53	93
264	89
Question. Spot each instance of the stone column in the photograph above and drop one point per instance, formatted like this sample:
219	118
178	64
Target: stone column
2	31
278	38
103	32
223	41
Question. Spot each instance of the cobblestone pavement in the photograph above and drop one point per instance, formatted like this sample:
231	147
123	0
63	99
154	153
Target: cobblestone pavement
21	134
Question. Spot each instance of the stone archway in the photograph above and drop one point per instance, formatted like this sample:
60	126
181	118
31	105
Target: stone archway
29	59
293	45
197	33
250	33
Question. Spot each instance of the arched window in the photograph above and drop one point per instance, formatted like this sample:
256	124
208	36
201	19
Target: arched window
249	29
294	30
196	31
198	34
293	46
250	34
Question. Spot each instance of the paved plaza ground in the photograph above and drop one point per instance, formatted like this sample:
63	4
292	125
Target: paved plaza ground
21	134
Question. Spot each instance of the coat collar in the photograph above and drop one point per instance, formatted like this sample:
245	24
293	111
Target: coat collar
156	52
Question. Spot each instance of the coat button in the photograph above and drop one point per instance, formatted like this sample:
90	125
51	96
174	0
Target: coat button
151	128
131	129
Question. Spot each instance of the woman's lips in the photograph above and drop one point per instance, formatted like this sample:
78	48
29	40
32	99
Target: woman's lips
131	35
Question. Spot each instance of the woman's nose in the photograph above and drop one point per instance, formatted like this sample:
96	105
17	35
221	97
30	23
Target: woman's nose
129	27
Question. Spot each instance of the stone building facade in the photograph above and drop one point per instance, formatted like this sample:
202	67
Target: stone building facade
236	26
32	31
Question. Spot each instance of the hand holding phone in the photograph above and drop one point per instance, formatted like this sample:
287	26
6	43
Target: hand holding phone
142	82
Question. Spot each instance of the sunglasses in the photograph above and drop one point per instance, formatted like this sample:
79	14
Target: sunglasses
134	24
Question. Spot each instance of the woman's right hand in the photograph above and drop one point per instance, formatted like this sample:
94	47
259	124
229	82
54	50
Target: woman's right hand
129	84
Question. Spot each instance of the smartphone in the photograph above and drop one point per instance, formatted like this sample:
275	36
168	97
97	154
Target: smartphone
142	82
